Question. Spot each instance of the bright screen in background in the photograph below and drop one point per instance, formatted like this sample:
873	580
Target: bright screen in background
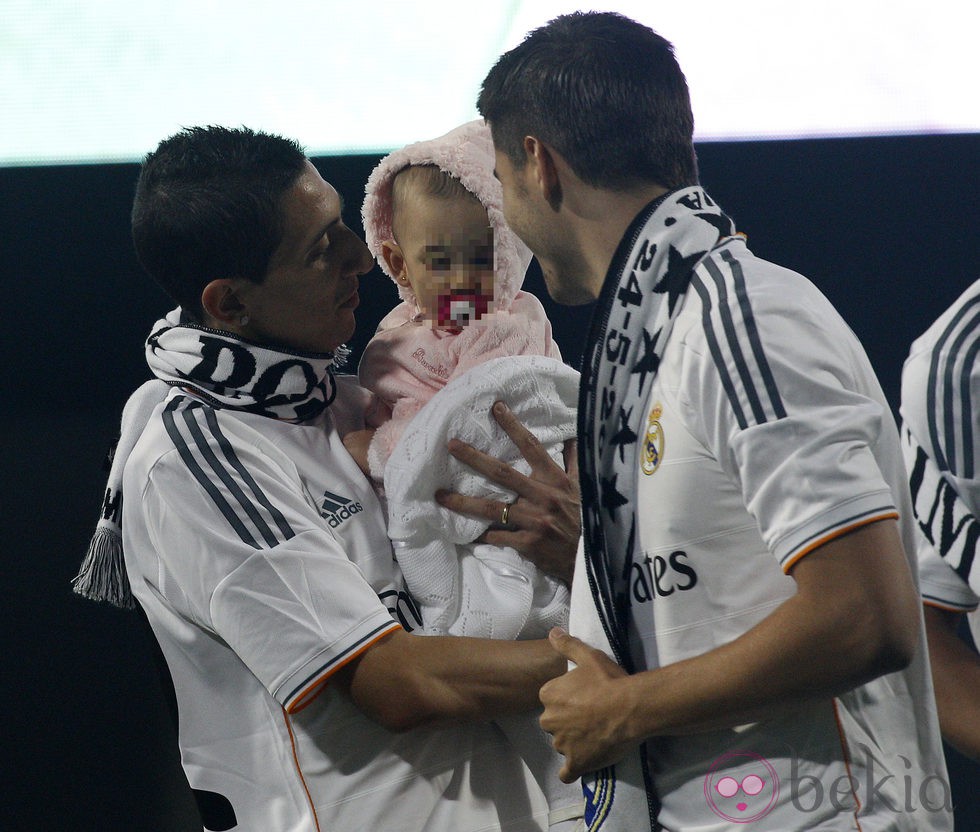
105	80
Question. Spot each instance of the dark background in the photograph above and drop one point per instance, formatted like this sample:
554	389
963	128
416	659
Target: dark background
886	227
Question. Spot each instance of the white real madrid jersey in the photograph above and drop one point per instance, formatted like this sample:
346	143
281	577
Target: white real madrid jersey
258	551
766	435
941	429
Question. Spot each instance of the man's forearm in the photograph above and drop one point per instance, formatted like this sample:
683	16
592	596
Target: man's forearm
956	678
407	681
786	659
854	617
837	632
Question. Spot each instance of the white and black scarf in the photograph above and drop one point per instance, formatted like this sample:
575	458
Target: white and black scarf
223	369
640	299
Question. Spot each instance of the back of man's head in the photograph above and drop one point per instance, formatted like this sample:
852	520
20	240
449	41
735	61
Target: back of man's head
605	91
207	206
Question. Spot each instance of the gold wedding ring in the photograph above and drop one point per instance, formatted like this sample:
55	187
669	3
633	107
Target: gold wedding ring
505	514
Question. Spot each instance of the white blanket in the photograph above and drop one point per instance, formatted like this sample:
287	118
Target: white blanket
465	588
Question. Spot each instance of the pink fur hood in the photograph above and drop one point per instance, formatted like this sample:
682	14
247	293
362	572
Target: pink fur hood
467	154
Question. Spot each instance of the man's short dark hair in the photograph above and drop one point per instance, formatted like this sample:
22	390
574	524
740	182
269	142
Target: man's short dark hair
605	91
207	206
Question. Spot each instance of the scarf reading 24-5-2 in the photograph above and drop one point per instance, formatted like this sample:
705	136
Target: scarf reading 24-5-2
640	299
222	369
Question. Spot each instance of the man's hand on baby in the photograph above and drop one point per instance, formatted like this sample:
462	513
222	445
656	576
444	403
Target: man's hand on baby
357	443
543	522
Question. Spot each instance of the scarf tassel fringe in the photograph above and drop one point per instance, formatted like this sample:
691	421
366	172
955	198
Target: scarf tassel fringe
102	576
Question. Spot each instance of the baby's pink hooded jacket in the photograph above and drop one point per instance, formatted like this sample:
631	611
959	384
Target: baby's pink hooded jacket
408	361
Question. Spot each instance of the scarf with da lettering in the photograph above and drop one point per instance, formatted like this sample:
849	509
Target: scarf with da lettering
219	368
641	296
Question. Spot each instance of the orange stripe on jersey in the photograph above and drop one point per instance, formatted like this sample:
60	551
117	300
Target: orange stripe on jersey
308	694
299	770
846	754
929	602
891	515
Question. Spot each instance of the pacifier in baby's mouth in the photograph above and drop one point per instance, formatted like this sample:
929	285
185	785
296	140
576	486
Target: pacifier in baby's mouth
458	309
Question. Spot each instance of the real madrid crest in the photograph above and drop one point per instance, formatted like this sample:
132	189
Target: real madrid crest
653	442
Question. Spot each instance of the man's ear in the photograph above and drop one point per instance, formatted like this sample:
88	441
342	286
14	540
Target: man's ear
394	259
222	302
546	168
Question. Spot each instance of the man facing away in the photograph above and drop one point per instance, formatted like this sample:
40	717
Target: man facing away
746	518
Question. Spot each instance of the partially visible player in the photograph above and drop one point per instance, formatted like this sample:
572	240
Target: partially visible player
941	435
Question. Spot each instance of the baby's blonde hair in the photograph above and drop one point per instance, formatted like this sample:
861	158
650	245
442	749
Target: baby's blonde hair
424	180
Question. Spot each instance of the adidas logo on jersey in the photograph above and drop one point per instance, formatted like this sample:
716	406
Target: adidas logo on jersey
336	509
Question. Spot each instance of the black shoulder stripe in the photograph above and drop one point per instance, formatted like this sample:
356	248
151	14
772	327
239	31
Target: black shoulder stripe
199	442
205	449
966	404
752	331
169	421
713	346
957	407
733	339
960	333
277	516
732	342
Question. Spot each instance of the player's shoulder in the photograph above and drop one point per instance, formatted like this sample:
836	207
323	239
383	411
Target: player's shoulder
953	338
737	298
942	363
186	432
731	274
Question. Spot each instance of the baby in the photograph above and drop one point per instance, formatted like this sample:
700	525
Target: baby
464	336
433	218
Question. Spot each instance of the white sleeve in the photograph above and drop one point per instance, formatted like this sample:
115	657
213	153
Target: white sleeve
939	584
246	555
940	394
947	533
786	401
